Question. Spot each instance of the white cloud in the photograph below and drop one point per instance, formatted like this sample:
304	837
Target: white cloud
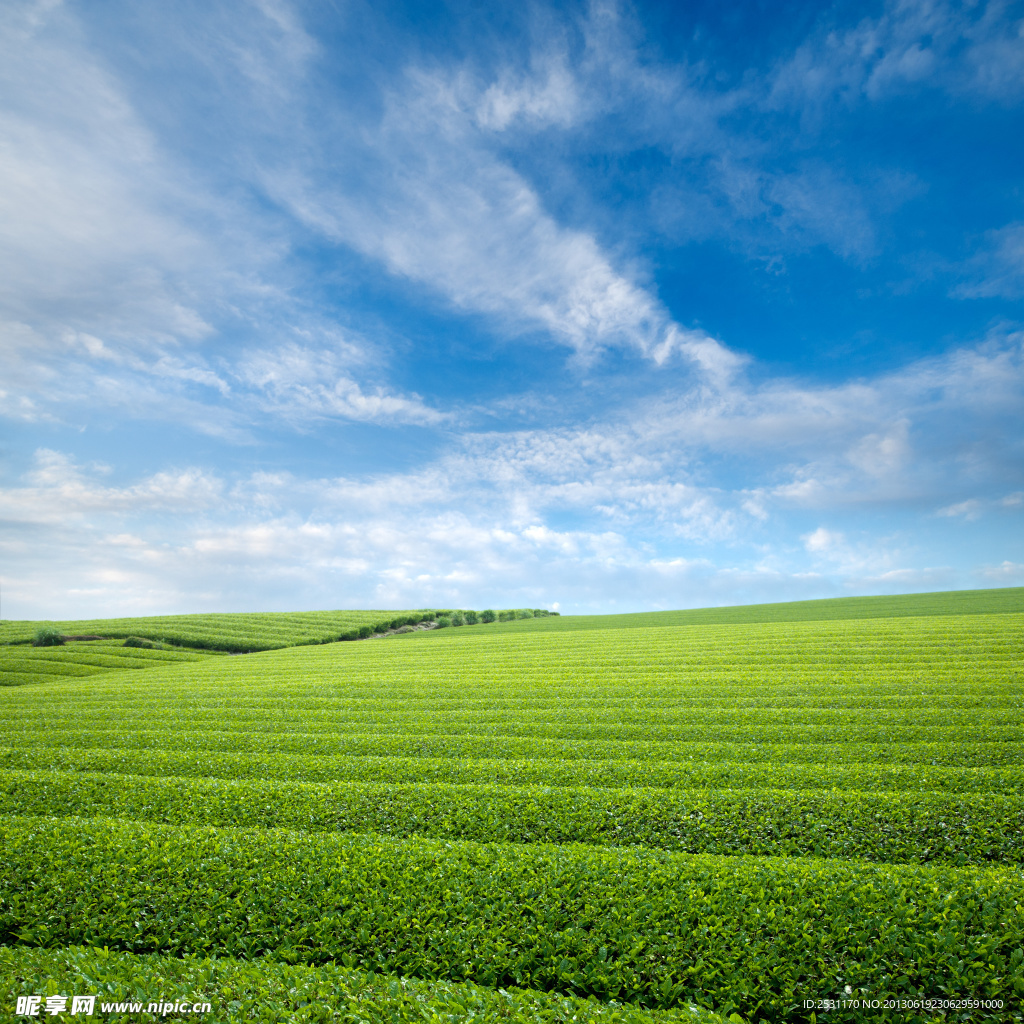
547	95
300	383
880	455
970	510
822	540
1006	574
58	489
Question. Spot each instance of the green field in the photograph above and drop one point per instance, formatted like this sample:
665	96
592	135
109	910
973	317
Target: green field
243	632
653	819
21	664
947	602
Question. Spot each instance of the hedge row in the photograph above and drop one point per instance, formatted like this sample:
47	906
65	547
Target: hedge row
745	725
476	745
756	935
882	827
518	772
270	992
247	695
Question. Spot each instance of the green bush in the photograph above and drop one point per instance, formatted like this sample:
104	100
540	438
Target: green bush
488	615
365	631
458	619
506	616
443	622
48	636
524	613
472	618
138	641
265	991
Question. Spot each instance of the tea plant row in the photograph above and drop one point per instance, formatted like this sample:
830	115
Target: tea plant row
639	926
882	827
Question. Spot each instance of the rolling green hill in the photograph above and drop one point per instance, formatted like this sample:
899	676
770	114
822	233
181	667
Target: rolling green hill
951	602
246	631
786	820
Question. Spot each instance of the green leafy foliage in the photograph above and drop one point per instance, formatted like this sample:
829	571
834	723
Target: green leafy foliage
884	827
614	924
269	992
138	641
535	771
48	636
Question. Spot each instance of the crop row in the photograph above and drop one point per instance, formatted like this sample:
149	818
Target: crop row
317	691
656	929
968	754
326	735
269	992
882	827
250	701
534	771
581	720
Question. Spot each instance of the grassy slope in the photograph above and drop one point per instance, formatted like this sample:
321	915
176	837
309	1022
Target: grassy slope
24	664
885	723
948	602
232	632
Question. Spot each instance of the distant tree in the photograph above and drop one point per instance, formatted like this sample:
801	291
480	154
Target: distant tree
488	616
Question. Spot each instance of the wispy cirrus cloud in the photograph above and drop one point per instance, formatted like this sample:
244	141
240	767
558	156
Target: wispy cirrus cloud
956	47
301	384
997	268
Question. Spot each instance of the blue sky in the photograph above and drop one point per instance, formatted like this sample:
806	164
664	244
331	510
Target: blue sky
589	306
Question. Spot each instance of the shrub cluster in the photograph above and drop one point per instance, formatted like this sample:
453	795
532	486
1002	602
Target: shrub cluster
442	620
138	641
48	636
